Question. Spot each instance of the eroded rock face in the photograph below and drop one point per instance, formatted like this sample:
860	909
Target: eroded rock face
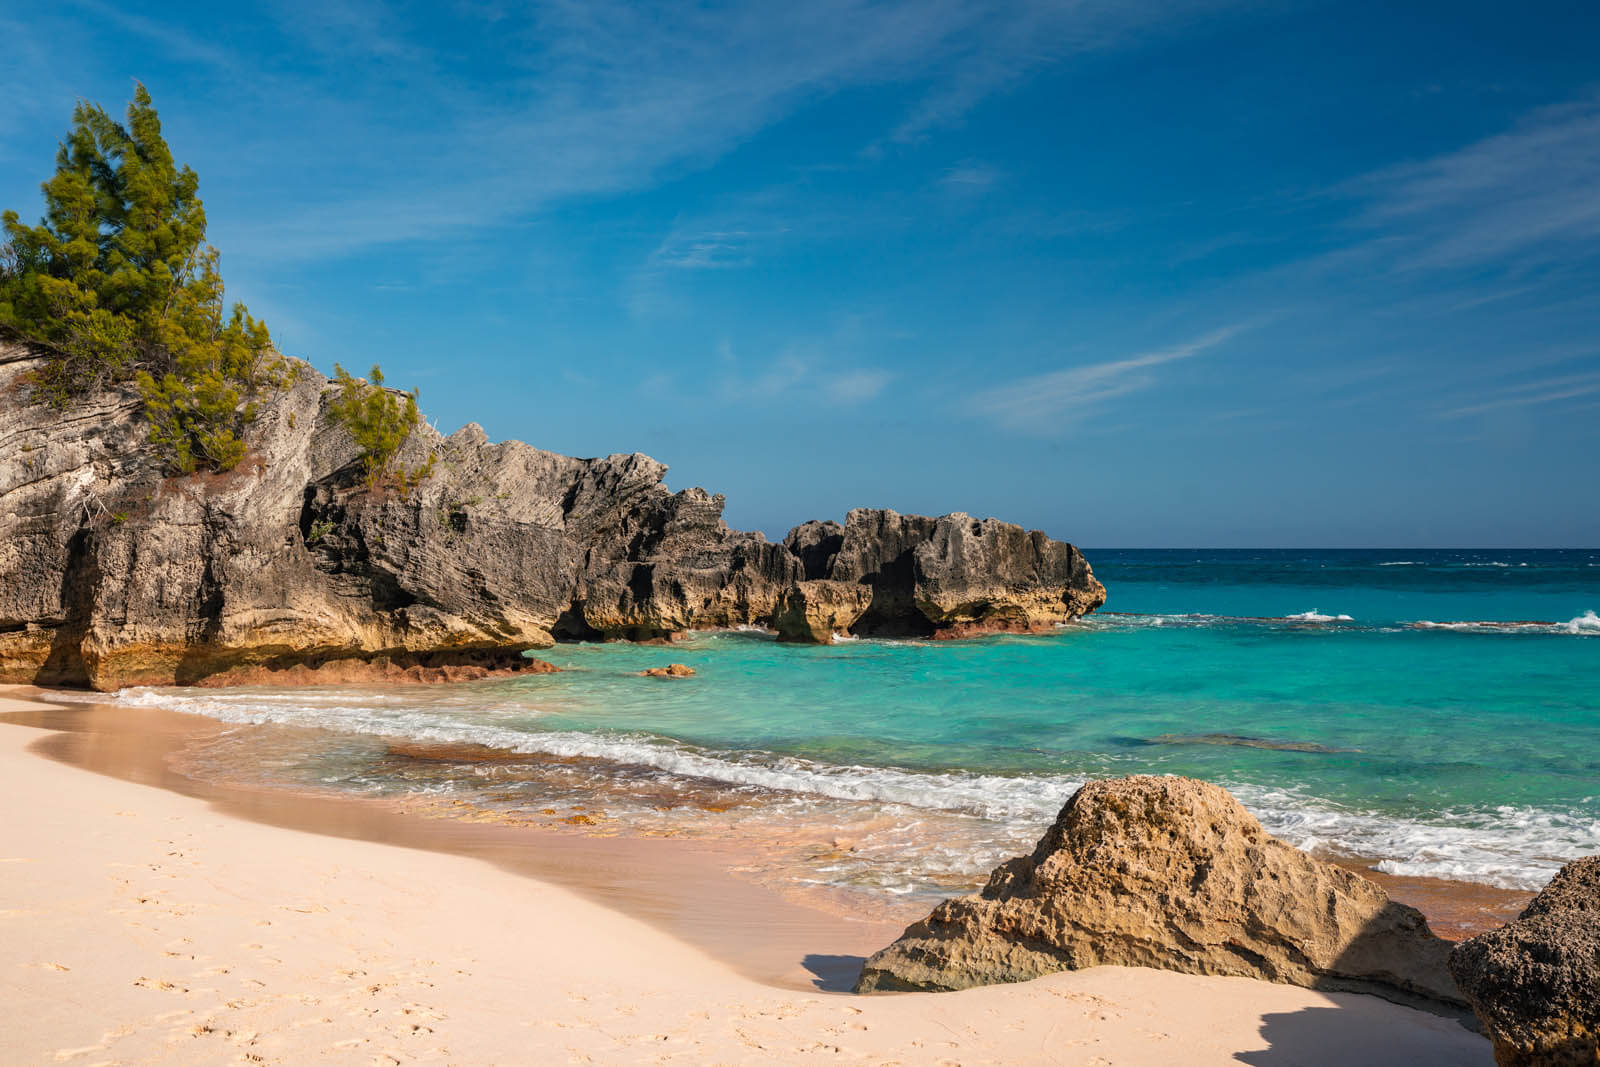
1171	873
1535	983
953	576
113	575
814	611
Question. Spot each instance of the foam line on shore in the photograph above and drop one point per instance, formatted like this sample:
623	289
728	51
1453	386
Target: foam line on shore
1508	847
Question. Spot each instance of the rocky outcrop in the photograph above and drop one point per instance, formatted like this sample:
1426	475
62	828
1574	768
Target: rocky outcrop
883	573
112	574
1171	873
1535	983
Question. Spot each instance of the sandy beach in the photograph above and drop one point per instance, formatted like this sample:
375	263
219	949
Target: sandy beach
145	926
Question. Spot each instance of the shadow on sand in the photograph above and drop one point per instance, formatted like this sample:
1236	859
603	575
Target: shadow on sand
834	974
1350	1034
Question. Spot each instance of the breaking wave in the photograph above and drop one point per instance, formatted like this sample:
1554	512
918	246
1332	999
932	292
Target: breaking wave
1587	624
1314	616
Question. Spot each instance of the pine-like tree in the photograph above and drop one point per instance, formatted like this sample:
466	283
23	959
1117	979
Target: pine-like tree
117	282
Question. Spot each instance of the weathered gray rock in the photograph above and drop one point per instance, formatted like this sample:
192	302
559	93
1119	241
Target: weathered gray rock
1535	983
952	576
1171	873
113	575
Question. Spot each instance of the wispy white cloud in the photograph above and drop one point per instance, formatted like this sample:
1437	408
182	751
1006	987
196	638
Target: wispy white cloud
1047	403
594	98
970	178
856	386
1529	394
823	368
1521	198
1000	45
174	41
697	249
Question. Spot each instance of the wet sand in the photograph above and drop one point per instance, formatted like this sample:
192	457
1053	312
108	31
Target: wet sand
668	883
148	917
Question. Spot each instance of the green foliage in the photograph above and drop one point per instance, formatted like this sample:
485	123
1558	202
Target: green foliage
117	283
378	420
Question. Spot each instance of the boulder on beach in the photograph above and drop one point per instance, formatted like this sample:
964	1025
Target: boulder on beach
1535	983
671	670
1172	873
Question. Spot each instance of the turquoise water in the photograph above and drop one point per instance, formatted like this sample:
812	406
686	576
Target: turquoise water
1435	711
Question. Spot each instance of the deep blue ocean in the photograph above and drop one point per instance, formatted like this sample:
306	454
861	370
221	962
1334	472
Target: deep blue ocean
1435	711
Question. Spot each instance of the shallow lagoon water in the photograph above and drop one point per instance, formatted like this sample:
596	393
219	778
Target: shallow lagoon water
1434	711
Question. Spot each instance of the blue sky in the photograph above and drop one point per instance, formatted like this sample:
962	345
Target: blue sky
1189	273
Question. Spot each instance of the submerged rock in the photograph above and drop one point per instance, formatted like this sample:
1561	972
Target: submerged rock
1535	983
112	574
671	670
1240	741
1171	873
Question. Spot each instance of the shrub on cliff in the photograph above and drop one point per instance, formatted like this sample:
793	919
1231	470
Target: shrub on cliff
117	284
378	420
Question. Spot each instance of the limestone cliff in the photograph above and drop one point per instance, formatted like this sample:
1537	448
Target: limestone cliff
113	575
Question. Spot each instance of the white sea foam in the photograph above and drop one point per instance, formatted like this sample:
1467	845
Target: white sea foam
992	796
1504	846
1510	847
1403	563
1585	625
1314	616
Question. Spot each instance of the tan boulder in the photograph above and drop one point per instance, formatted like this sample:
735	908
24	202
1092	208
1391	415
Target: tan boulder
1172	873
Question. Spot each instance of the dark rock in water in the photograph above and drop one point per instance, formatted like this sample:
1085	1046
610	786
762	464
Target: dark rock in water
1240	741
1535	982
291	567
1172	873
952	576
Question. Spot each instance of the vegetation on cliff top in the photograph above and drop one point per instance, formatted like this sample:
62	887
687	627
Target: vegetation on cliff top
378	421
117	284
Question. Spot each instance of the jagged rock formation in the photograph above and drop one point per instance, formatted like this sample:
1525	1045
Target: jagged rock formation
1171	873
113	575
1535	983
947	577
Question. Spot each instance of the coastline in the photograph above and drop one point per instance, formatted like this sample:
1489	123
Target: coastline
151	923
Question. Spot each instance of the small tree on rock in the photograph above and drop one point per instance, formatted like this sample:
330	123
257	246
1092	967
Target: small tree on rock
378	420
117	283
